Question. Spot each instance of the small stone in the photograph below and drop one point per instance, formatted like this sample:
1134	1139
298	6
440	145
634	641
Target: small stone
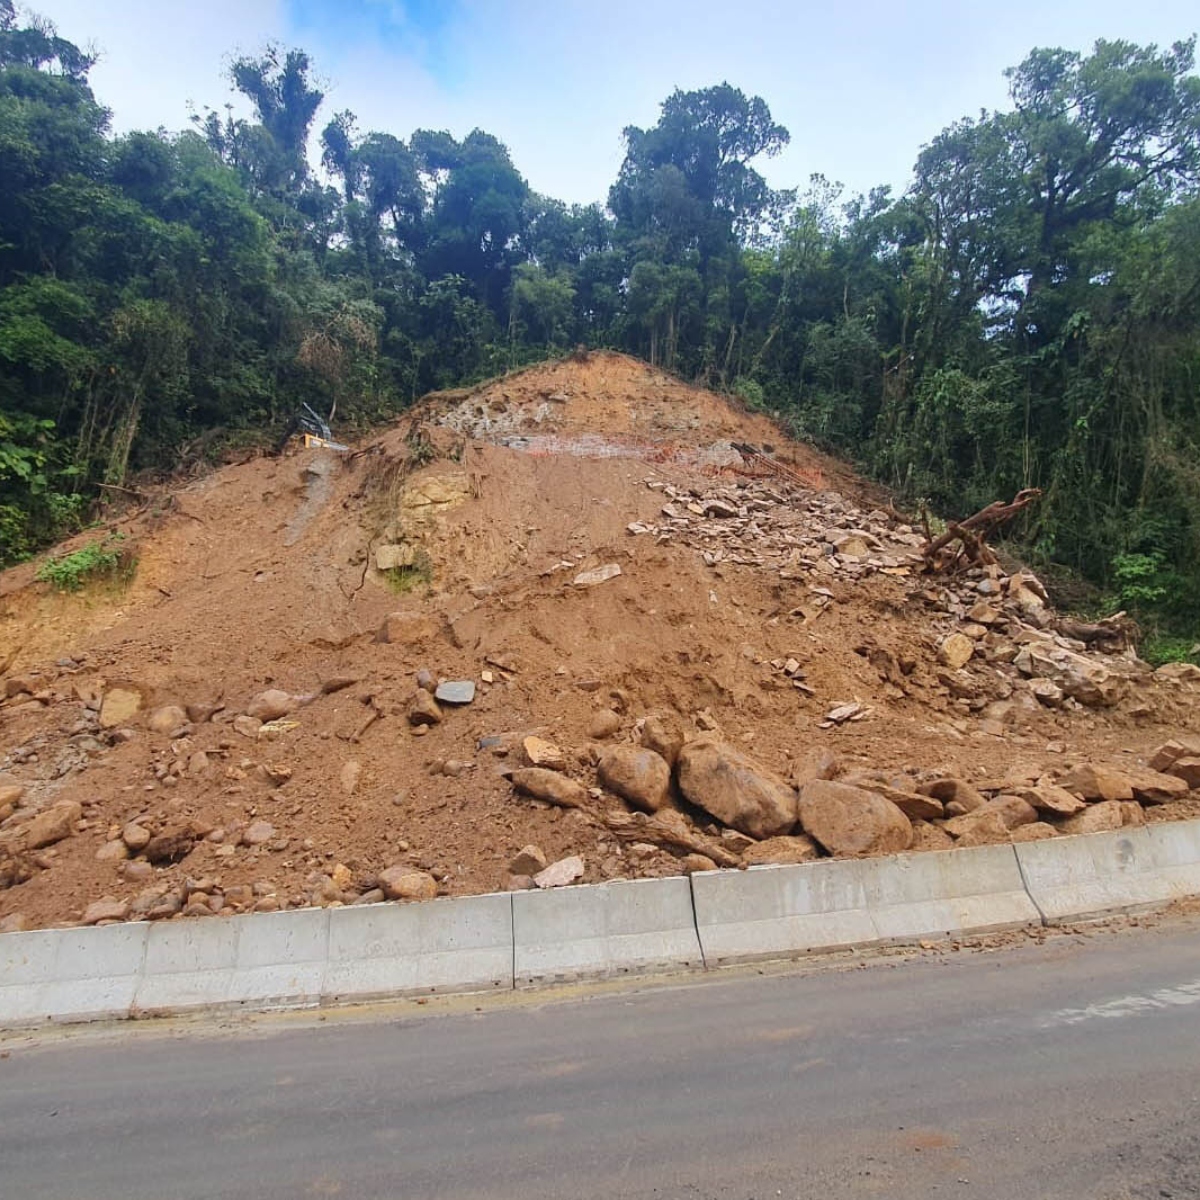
529	861
956	651
561	873
14	923
587	579
982	827
135	871
257	833
267	904
664	737
1013	810
272	704
540	753
1187	769
170	846
52	825
603	725
1049	797
424	710
198	765
198	714
550	786
248	727
693	863
636	774
1132	813
1047	692
166	719
349	777
455	691
426	680
403	883
950	790
735	841
342	876
1170	752
135	836
107	908
114	851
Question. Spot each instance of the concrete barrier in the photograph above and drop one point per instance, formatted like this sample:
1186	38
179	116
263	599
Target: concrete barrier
1175	849
315	956
604	929
947	892
267	960
459	945
774	912
1092	875
70	974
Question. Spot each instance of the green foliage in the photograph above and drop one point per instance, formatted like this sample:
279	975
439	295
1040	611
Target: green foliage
101	559
1026	313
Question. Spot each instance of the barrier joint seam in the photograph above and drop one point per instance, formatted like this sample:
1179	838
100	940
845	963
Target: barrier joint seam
1028	890
696	921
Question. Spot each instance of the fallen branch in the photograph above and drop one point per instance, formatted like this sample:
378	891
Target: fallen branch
972	534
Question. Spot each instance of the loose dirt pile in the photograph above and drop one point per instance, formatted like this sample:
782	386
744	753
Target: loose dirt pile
557	628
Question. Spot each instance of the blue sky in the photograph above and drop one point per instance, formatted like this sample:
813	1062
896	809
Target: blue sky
861	85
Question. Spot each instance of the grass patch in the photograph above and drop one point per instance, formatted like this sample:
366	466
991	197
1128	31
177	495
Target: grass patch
105	559
404	579
1158	649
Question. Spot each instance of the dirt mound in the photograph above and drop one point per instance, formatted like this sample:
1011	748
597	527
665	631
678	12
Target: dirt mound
252	721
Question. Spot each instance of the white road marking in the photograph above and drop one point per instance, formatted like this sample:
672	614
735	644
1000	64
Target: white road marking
1128	1006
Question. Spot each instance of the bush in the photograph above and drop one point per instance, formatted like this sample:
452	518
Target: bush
97	560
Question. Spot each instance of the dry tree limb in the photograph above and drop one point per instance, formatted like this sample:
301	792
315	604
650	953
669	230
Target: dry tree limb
972	533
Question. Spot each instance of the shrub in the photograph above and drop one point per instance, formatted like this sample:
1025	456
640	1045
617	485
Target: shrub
97	560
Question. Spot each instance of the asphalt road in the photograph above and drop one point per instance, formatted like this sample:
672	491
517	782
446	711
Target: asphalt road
1070	1069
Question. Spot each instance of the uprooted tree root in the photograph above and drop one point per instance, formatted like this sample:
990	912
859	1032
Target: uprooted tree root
941	553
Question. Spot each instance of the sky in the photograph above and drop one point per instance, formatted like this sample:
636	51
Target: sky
861	85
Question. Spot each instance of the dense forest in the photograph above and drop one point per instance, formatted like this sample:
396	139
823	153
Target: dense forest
1026	313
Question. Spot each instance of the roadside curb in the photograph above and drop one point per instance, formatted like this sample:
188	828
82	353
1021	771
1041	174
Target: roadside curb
314	957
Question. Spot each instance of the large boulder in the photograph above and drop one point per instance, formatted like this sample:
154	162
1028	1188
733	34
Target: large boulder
637	775
1094	782
849	820
735	789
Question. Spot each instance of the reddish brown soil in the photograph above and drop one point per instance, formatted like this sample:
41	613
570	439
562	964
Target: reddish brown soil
259	576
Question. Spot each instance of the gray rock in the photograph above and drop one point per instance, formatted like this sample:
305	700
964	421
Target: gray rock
455	691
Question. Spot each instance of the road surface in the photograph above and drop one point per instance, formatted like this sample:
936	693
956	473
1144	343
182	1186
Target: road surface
1064	1070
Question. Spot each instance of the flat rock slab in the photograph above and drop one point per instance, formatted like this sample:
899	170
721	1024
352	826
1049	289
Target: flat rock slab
599	575
456	691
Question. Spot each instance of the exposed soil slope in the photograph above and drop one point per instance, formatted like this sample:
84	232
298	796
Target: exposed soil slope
783	615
